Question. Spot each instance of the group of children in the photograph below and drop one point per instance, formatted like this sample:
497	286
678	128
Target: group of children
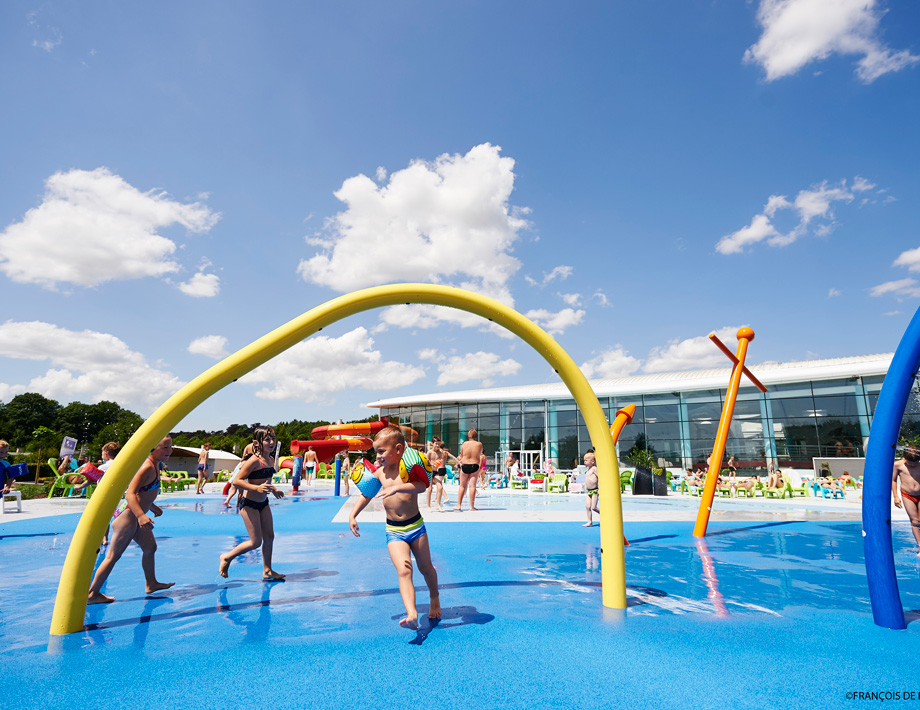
406	534
405	529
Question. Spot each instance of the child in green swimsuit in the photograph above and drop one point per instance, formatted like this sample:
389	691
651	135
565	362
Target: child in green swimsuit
591	487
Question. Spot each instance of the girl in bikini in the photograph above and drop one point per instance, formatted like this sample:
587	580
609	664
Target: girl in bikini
254	482
131	522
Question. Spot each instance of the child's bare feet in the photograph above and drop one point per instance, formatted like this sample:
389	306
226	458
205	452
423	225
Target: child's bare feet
410	622
99	598
472	508
434	609
588	525
457	510
271	576
224	569
159	586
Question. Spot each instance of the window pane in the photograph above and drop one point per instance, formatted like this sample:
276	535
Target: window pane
662	413
663	431
843	406
793	407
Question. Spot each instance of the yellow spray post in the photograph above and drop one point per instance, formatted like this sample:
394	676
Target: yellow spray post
745	336
70	602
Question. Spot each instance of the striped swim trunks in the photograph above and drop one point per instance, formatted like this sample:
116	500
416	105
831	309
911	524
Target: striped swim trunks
405	530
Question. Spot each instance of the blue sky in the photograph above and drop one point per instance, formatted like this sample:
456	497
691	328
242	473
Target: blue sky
180	178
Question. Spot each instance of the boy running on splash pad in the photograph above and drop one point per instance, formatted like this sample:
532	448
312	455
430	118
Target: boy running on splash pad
405	528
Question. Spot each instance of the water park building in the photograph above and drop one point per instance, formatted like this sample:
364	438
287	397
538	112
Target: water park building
815	408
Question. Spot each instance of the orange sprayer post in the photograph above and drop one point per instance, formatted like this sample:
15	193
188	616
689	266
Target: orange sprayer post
745	336
624	416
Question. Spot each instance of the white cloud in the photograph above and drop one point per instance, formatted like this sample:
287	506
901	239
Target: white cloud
613	362
201	285
481	366
558	272
52	35
809	205
833	292
433	222
910	259
86	365
424	316
892	313
904	288
571	299
93	227
319	367
555	323
212	346
797	32
691	354
601	298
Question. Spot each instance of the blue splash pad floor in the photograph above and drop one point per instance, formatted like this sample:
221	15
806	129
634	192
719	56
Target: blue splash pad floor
774	613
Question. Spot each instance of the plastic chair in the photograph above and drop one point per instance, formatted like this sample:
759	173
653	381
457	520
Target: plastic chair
559	484
13	497
793	491
538	484
518	482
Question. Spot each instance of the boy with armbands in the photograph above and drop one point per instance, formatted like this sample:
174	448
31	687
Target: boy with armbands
401	482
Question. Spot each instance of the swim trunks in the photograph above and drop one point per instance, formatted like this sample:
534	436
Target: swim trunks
405	530
592	491
442	472
469	468
911	496
201	467
249	503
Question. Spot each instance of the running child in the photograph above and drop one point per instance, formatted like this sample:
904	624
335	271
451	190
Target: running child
254	480
405	528
131	522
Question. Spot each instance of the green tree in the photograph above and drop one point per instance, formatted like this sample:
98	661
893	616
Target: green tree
25	413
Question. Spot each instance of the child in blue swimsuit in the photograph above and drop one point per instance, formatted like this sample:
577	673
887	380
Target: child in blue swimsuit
405	528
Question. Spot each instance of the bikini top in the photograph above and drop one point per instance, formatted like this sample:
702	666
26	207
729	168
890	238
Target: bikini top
155	486
261	473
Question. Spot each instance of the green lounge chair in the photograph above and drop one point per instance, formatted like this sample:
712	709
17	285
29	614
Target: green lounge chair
625	480
559	484
793	491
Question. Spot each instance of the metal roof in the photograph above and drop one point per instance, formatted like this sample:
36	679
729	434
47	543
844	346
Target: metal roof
769	373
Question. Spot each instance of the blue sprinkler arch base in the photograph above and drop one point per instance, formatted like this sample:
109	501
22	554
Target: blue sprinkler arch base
886	425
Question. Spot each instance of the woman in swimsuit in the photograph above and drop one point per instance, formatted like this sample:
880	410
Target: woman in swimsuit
254	480
131	522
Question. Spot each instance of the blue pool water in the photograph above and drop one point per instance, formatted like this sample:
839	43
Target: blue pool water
761	614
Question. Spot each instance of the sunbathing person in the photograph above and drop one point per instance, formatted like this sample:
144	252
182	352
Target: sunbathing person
748	484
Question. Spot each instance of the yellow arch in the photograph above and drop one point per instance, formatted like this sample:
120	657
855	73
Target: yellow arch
70	602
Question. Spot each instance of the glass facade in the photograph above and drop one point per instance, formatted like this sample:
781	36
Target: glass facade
790	423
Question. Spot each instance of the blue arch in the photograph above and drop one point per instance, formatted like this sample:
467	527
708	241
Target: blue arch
876	508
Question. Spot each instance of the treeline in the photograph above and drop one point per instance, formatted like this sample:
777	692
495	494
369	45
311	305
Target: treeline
37	425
